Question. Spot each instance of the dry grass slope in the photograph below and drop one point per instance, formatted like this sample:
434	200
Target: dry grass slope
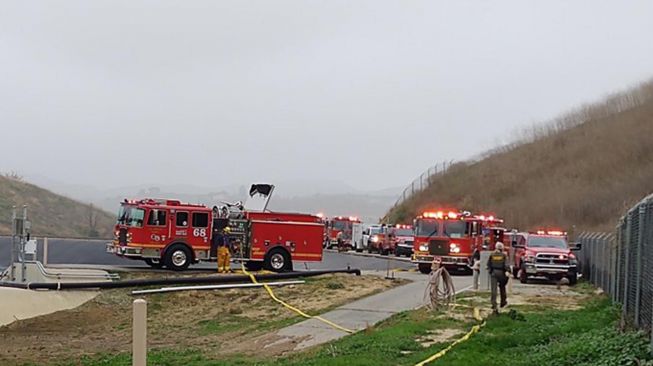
584	169
51	214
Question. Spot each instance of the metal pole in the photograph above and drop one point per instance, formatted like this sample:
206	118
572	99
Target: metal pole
626	265
139	333
23	241
638	278
45	252
14	226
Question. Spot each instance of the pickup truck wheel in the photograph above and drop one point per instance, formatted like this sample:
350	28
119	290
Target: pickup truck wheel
523	277
154	263
573	279
424	268
178	257
278	260
370	249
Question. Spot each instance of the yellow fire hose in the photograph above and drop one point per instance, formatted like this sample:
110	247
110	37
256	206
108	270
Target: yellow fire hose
290	307
469	334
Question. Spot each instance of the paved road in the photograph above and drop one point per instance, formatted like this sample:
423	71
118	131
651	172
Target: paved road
86	251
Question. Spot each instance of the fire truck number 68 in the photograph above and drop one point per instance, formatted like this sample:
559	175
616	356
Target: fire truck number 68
199	232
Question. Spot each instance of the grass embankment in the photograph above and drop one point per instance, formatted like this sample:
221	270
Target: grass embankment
213	324
584	168
546	327
51	214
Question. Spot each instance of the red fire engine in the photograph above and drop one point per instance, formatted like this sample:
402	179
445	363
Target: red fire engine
451	235
174	234
338	225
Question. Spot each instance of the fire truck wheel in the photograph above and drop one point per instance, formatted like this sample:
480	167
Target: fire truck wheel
278	260
253	265
178	257
424	268
154	263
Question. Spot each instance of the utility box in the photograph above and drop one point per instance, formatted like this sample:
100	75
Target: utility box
484	276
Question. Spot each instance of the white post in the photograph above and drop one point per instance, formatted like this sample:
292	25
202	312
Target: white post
139	333
45	252
484	280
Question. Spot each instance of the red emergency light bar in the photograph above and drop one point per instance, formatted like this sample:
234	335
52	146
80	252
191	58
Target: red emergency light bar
350	218
400	226
551	232
450	215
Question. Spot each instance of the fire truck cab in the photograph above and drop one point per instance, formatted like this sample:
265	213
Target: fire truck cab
165	232
544	254
452	236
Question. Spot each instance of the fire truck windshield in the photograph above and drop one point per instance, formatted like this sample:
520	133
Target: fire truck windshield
547	242
427	228
455	228
131	216
404	232
342	225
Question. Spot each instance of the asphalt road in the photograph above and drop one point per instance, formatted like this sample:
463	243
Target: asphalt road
86	251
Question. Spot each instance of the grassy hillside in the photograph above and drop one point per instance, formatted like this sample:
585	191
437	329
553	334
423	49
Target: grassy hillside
583	169
51	214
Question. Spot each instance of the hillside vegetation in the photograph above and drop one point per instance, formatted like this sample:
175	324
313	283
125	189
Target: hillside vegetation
582	170
51	214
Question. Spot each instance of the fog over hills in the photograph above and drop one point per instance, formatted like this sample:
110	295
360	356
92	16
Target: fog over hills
329	197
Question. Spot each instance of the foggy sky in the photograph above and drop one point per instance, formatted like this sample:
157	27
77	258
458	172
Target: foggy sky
113	93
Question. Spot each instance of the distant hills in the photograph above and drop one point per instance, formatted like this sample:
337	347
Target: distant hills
51	214
329	197
582	170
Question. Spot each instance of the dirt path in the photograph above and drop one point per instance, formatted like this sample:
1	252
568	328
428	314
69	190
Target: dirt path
198	319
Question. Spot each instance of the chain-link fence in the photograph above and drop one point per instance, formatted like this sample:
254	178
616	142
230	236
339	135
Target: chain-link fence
421	182
621	264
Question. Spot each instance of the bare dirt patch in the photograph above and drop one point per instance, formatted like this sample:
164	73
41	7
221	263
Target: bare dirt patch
195	319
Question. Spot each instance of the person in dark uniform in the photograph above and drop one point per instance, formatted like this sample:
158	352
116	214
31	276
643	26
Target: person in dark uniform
497	264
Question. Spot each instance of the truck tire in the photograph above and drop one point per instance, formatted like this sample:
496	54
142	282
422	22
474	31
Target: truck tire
253	265
178	257
154	263
573	279
523	277
424	268
278	260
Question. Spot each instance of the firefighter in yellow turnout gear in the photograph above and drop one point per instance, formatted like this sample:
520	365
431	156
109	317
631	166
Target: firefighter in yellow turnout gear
224	252
497	264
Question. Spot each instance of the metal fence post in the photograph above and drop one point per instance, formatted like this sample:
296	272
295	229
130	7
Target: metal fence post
626	242
638	269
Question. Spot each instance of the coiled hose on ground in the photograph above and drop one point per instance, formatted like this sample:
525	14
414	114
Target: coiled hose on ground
440	291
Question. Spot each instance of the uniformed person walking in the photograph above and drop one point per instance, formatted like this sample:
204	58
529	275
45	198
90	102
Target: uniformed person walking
497	264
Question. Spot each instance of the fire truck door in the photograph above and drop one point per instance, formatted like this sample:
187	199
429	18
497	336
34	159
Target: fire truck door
181	224
158	226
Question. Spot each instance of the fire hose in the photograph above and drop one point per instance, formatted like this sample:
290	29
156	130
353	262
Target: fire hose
292	308
440	289
169	281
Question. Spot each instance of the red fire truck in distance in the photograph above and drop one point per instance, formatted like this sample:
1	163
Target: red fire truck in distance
451	235
340	224
174	234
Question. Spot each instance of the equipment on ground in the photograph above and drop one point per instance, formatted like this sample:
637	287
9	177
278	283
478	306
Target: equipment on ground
214	287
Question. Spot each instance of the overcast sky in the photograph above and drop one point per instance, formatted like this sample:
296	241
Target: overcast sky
114	93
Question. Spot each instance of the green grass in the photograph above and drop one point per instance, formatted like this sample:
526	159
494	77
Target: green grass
588	336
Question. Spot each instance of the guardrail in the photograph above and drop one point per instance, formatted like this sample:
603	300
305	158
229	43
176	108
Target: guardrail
621	264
